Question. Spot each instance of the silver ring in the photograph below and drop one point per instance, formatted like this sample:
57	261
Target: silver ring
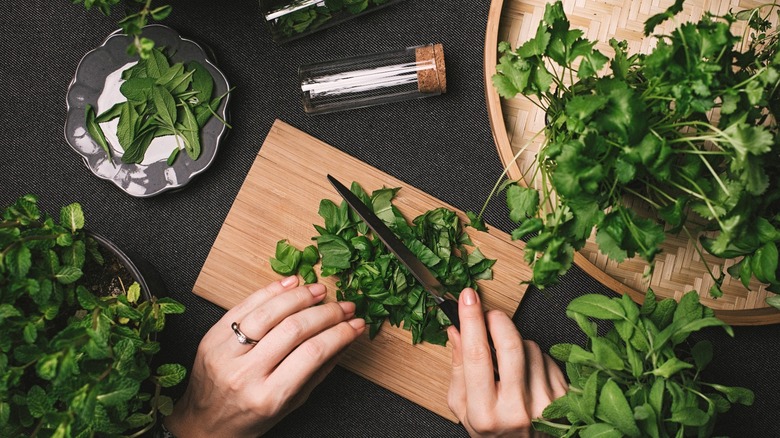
242	338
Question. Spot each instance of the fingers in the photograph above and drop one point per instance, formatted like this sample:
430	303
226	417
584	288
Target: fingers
456	397
257	299
510	351
274	309
555	377
302	363
477	363
295	330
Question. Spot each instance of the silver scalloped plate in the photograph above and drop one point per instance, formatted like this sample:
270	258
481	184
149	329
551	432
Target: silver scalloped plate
97	81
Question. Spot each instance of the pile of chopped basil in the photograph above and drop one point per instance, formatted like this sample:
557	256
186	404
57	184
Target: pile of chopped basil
373	278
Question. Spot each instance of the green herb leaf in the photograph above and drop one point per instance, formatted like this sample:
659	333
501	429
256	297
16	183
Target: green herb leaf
597	306
614	409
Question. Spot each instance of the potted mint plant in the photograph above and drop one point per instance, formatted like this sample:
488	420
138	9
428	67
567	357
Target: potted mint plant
78	325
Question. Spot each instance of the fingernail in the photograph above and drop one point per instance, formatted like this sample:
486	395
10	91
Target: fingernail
289	281
468	296
316	289
357	323
348	307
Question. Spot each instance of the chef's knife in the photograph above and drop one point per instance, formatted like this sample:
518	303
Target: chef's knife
445	300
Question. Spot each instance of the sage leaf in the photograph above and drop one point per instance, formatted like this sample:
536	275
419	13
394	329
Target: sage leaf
607	353
95	131
690	417
136	90
736	394
702	353
600	430
597	306
671	367
613	408
202	82
191	133
165	105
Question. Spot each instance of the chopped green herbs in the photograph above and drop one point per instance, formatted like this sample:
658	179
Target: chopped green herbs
371	277
642	378
690	129
162	99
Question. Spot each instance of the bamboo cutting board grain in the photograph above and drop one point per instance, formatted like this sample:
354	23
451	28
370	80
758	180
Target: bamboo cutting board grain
280	199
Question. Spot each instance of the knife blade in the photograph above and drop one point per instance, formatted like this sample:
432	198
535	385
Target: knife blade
445	300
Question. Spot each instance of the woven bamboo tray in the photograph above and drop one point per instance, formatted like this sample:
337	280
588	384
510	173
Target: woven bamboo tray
679	267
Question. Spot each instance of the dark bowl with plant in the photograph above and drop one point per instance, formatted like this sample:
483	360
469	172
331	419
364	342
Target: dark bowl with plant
78	326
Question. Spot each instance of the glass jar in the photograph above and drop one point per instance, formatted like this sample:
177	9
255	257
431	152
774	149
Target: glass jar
361	81
291	19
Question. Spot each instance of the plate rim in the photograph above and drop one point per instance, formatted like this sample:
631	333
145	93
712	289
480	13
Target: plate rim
219	135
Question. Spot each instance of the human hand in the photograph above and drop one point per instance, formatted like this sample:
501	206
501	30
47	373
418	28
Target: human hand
238	390
530	380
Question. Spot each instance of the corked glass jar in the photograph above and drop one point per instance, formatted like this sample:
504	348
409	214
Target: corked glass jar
291	19
361	81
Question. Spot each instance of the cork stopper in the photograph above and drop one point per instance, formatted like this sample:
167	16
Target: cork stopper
431	80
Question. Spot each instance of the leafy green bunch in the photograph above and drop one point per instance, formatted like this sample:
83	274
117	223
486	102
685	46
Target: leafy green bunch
642	378
300	20
162	99
73	362
133	22
689	129
373	278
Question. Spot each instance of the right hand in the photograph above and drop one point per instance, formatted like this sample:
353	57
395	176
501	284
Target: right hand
240	390
530	379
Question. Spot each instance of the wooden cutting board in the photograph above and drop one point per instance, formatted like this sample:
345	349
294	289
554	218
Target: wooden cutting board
280	199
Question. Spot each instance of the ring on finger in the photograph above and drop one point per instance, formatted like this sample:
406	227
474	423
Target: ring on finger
242	338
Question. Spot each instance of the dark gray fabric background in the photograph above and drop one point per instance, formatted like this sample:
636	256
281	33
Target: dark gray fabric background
441	145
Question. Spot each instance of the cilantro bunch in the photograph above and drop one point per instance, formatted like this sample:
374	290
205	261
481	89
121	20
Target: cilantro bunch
73	361
642	378
689	130
373	278
133	22
162	99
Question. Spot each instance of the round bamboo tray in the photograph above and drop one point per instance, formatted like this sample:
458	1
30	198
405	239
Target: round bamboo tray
514	122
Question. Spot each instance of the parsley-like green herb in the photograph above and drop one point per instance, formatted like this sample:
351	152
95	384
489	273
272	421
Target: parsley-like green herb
162	99
373	278
690	129
641	378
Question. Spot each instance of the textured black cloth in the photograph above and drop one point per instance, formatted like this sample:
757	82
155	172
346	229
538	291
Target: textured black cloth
442	145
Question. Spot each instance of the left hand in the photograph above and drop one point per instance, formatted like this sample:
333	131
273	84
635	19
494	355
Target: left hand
530	380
